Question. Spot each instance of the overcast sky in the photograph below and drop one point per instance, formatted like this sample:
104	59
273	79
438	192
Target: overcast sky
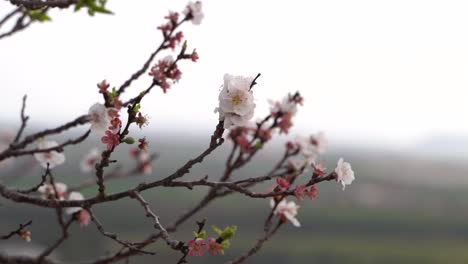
370	71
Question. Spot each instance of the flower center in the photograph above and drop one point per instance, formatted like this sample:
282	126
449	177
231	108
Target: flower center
236	100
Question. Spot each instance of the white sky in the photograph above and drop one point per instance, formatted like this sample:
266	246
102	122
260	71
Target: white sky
377	71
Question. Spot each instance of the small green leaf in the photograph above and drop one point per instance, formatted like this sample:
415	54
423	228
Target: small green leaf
129	140
258	145
38	15
228	232
201	235
217	230
225	244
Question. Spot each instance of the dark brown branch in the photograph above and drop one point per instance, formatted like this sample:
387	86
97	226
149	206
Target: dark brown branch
24	120
31	138
35	188
59	148
37	4
114	237
10	15
256	247
18	231
147	64
174	244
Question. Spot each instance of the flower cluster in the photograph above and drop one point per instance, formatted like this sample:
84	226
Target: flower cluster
236	101
283	111
166	73
198	246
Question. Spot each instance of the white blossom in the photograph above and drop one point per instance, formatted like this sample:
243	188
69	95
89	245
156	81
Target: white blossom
195	9
236	101
89	161
74	196
285	106
53	158
287	211
345	175
47	191
312	146
100	120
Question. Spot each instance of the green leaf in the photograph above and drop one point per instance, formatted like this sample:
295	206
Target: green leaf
38	15
217	230
258	145
129	140
225	245
201	235
228	232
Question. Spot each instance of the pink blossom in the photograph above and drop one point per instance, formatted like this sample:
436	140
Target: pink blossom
173	17
110	139
312	193
142	120
143	144
84	218
89	161
283	184
243	143
300	192
319	169
214	247
285	123
103	86
194	56
196	247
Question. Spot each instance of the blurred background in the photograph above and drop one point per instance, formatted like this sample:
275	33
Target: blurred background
386	82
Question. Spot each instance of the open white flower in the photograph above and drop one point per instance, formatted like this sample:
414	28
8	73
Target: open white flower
100	120
89	161
195	9
53	158
74	196
47	191
345	175
287	211
236	102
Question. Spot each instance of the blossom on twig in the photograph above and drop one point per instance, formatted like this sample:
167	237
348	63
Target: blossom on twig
51	158
287	211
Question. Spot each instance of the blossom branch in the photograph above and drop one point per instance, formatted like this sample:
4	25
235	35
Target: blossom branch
35	188
258	245
147	64
24	120
113	236
19	231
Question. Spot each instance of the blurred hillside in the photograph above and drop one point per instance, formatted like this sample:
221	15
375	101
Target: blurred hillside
404	207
